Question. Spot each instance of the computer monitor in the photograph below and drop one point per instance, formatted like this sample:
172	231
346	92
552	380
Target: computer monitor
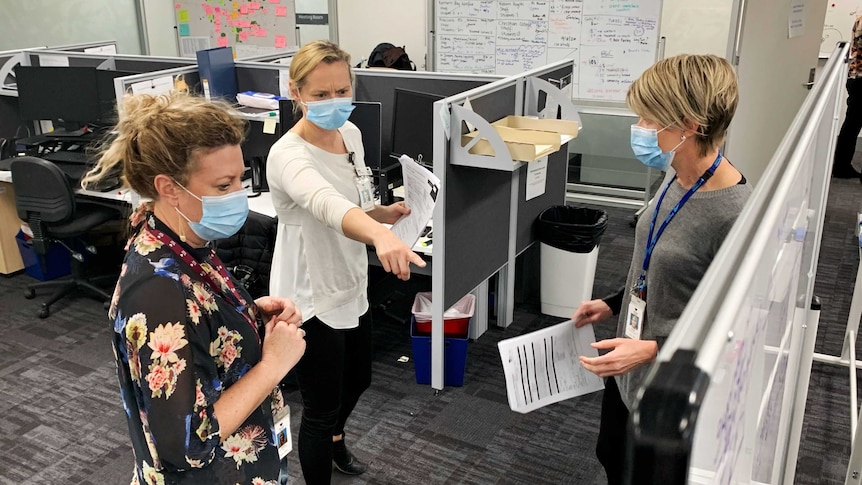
366	117
108	95
68	95
413	125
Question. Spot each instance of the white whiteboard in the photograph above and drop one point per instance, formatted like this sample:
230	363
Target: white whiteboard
611	41
838	25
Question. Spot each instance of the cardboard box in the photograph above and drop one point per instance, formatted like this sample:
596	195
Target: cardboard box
10	257
562	127
523	145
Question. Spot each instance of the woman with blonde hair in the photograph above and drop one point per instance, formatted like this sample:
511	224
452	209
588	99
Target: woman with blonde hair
198	360
321	190
685	105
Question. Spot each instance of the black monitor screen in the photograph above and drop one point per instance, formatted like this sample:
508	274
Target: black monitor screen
366	117
70	94
413	124
108	95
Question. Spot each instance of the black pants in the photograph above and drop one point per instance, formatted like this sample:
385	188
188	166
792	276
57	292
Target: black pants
613	433
333	373
845	146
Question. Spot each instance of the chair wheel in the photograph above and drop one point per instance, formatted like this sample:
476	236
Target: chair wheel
29	293
44	312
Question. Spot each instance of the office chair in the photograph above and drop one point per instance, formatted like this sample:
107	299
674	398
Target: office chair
46	201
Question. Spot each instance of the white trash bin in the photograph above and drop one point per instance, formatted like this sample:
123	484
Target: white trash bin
569	238
566	279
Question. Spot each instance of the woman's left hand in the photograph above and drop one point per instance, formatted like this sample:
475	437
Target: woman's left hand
388	214
280	309
627	354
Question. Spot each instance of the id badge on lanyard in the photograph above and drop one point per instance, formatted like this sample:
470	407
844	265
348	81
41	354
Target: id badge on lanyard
362	180
281	418
635	317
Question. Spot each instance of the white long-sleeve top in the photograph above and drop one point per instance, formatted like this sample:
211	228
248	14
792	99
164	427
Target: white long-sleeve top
323	271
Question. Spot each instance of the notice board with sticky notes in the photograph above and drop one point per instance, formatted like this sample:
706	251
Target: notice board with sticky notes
250	27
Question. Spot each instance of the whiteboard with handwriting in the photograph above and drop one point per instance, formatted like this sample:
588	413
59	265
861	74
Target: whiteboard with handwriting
611	41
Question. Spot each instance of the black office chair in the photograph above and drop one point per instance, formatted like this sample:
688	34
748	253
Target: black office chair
46	201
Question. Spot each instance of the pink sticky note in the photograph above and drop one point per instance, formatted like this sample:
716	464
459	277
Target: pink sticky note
276	2
217	28
209	10
218	10
261	32
281	11
280	41
243	9
244	24
254	5
179	7
222	42
243	36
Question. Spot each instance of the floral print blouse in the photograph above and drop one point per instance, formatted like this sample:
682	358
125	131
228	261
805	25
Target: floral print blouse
179	344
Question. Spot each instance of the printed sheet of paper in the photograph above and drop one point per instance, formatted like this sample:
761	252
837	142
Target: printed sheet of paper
542	367
420	195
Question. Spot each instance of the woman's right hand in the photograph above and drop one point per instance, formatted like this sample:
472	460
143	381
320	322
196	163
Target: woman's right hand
591	311
283	346
395	256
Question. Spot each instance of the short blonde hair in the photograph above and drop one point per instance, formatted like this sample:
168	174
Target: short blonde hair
685	89
165	135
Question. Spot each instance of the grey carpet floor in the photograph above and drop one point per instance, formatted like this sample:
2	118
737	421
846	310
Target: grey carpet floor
61	421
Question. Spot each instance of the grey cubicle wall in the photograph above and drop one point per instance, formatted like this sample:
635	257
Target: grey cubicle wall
258	76
477	207
131	63
379	85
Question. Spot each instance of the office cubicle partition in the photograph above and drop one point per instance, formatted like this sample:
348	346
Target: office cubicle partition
725	400
119	62
278	57
482	219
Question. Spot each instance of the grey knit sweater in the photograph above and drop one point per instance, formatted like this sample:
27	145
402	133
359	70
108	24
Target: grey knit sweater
679	261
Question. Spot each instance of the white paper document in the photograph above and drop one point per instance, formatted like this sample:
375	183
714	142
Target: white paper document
420	195
537	177
542	367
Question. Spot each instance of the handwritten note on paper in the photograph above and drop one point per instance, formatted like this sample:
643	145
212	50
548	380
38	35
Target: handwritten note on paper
420	195
537	178
542	367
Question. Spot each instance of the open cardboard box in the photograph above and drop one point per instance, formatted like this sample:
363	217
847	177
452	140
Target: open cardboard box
562	127
523	145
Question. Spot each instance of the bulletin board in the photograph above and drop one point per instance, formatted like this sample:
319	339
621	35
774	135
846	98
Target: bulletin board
251	27
611	41
838	25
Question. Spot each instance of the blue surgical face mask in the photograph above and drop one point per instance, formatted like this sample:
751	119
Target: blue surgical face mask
329	114
645	146
223	215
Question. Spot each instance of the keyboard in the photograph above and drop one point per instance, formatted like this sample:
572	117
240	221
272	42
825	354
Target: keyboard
65	157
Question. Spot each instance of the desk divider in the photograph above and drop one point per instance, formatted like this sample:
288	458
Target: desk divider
482	220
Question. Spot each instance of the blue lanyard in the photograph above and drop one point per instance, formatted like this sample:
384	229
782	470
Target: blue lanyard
651	242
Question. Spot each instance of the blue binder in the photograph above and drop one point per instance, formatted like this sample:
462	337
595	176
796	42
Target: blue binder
218	73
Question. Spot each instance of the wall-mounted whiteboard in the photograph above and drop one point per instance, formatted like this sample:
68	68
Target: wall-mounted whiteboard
838	25
611	41
251	27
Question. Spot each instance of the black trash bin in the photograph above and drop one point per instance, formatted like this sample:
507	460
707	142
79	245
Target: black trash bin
569	238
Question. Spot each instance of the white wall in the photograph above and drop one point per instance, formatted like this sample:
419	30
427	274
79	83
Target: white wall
34	23
362	24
